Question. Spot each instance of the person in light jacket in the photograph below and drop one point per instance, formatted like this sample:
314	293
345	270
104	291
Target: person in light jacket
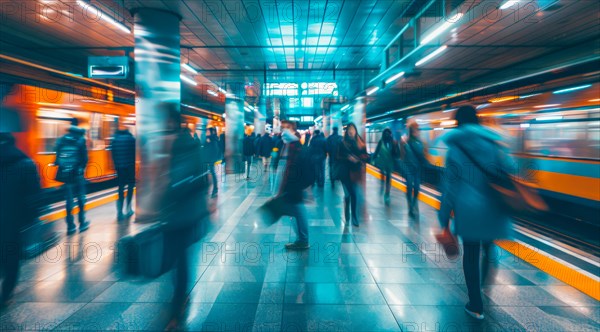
478	216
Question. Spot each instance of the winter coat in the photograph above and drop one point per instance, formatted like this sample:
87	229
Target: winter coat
332	145
385	154
348	169
212	151
123	150
19	194
75	136
265	146
290	182
478	215
249	146
318	148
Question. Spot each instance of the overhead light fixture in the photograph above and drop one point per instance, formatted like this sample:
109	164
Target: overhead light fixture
393	78
575	88
431	56
105	16
222	90
372	91
212	93
529	96
549	118
438	128
187	80
482	106
525	125
547	105
449	110
594	100
345	107
448	123
441	29
318	119
189	68
501	99
508	4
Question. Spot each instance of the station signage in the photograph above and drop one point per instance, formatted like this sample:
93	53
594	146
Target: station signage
108	67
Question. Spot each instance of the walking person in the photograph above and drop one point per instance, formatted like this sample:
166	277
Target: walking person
19	208
478	215
248	150
352	154
318	153
386	153
332	145
212	152
413	156
123	155
265	147
71	159
291	183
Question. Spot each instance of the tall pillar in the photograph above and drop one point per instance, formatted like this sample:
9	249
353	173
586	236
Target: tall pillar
260	117
157	69
359	116
336	121
201	127
276	116
234	134
325	123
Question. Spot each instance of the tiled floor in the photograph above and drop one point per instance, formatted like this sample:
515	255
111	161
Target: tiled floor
386	275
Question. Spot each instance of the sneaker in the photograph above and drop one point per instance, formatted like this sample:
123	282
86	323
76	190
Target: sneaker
354	222
71	229
84	226
474	314
120	217
129	214
214	195
298	245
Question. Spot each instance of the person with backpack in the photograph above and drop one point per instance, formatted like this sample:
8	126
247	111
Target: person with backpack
212	153
479	217
123	155
412	151
352	155
265	147
248	152
19	208
386	153
293	182
318	152
332	145
71	159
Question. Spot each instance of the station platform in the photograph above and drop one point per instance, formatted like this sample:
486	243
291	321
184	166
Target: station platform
386	275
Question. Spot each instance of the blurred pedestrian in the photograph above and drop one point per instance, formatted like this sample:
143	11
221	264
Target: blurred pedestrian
291	184
249	152
307	138
478	215
265	147
222	147
71	159
332	144
123	155
318	153
352	154
212	153
386	153
413	157
19	208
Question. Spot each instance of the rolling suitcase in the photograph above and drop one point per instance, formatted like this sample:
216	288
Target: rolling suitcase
141	254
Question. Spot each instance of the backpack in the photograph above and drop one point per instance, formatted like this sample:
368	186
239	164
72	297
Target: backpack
67	159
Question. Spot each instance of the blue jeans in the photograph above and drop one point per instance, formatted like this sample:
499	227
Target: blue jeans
413	185
296	210
248	162
72	190
213	175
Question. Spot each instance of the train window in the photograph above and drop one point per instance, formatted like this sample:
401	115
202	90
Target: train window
566	139
102	129
50	131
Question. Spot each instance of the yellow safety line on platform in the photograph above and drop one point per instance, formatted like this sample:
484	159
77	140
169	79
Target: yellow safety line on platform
545	263
62	213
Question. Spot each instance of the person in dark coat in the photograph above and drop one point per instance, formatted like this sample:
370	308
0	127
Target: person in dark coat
385	156
307	137
318	153
265	147
212	152
71	159
332	144
352	156
222	146
249	152
290	184
412	150
123	155
479	217
19	198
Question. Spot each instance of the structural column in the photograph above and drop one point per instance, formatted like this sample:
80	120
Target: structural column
157	69
325	123
260	117
234	134
359	116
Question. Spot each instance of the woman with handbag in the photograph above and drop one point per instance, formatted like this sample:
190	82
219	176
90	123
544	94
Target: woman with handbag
479	217
351	157
386	152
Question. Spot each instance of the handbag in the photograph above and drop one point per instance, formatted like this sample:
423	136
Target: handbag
449	243
273	209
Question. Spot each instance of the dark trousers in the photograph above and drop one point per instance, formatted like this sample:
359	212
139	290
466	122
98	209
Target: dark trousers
413	186
319	165
176	244
72	190
213	175
332	171
9	268
386	181
125	178
350	199
474	270
248	162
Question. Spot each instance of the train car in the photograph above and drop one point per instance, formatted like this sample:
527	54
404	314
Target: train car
554	138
